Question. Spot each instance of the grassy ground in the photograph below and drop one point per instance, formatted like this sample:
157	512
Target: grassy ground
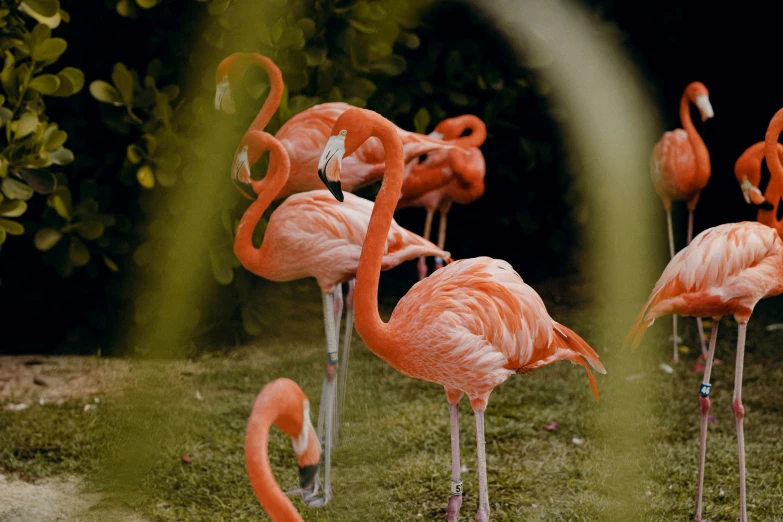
393	462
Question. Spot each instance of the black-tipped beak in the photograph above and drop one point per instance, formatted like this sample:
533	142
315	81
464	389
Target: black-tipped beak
766	205
335	187
307	475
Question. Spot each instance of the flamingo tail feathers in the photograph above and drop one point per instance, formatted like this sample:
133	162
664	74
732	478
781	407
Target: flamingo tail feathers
582	354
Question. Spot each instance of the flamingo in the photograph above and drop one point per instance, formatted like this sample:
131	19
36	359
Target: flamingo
281	403
468	327
465	170
312	235
680	169
306	133
747	169
726	270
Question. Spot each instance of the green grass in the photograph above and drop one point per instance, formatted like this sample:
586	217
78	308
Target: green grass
393	462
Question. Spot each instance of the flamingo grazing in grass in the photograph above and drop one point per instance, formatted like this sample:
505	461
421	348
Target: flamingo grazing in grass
281	403
465	169
469	326
726	270
747	169
312	235
680	169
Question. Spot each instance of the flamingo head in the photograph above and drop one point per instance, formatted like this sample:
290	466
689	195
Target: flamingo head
699	95
223	99
751	193
248	153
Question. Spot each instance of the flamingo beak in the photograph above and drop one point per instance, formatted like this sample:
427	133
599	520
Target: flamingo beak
705	108
240	174
330	164
223	99
307	475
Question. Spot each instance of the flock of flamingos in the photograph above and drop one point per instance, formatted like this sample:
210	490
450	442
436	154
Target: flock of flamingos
473	323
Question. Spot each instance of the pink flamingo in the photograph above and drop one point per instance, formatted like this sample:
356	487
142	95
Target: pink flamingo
469	326
305	134
680	169
747	169
465	169
281	403
312	235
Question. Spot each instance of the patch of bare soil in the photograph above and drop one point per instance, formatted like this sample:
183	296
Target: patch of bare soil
29	379
53	500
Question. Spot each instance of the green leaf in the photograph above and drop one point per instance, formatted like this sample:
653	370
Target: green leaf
389	65
45	83
12	208
12	227
106	93
46	238
356	86
111	264
78	252
61	156
49	50
44	7
40	33
16	189
60	200
50	21
42	181
421	120
2	236
458	98
314	55
90	229
123	80
25	125
71	81
5	115
147	4
220	267
166	178
134	153
55	139
307	25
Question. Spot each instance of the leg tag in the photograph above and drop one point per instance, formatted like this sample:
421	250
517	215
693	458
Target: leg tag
332	358
704	389
456	488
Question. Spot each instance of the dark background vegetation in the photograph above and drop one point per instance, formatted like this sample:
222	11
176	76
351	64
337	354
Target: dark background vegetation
455	63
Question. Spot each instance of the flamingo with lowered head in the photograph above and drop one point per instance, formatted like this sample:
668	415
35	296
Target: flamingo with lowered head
680	169
312	235
465	169
281	403
469	326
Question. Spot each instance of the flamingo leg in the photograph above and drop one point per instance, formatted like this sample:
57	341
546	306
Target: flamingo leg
699	324
441	236
483	511
704	410
739	415
675	338
422	264
346	350
326	411
455	500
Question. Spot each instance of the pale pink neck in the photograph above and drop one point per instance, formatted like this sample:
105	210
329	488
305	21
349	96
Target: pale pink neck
276	87
259	471
699	148
253	258
369	324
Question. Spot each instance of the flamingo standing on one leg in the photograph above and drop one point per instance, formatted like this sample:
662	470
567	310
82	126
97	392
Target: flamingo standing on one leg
680	169
312	235
466	171
726	270
281	403
469	326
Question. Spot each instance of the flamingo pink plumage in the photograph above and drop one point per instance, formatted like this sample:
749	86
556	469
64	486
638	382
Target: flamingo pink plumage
725	270
747	170
312	235
466	170
680	169
468	327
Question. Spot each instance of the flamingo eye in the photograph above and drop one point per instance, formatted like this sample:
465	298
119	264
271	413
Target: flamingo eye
343	132
422	158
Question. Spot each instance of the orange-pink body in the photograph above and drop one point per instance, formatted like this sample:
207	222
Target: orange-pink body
725	270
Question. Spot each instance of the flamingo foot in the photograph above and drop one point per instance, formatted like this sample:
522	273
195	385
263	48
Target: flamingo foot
317	502
482	515
452	511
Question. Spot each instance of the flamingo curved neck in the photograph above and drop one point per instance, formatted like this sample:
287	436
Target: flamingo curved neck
771	147
699	148
252	258
272	101
259	471
369	324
